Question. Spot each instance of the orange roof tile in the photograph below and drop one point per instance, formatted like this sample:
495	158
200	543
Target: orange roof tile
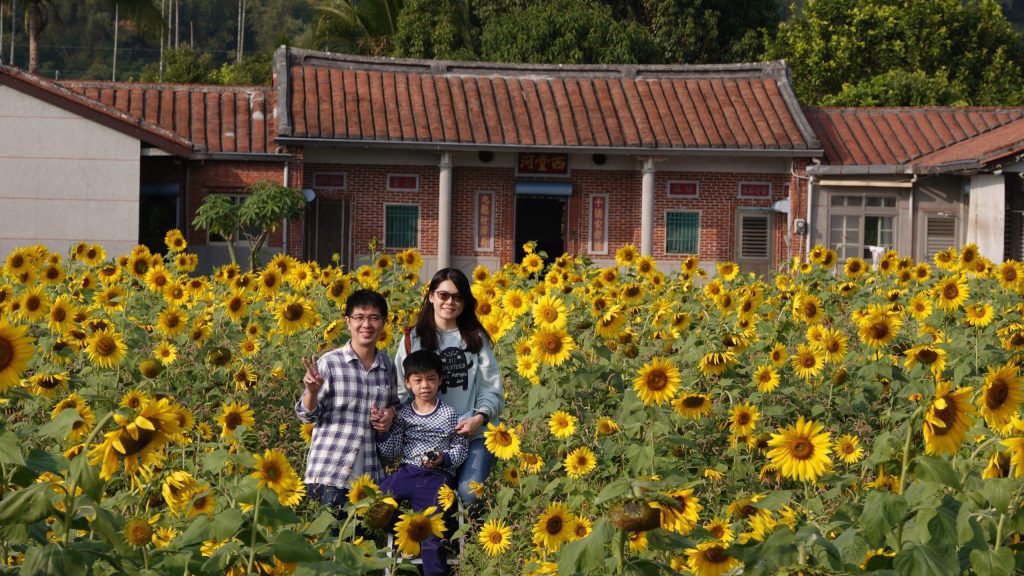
448	104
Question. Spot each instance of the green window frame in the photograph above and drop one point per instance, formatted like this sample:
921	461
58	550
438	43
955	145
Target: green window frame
401	226
681	232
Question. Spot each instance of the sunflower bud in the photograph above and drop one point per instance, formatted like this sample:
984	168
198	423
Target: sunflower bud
151	368
634	516
219	356
379	516
631	351
840	376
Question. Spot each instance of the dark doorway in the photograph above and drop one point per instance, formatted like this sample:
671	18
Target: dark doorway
158	213
327	231
542	219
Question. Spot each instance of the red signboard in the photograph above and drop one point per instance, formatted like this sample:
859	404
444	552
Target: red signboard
329	180
681	188
598	225
485	221
403	182
755	190
543	164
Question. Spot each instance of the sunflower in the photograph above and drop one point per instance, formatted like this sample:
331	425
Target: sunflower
627	255
562	424
16	350
998	465
61	315
360	487
236	307
978	315
515	302
631	293
807	307
530	463
834	344
137	441
106	348
743	419
1002	395
715	363
233	416
848	449
138	532
549	313
808	360
932	357
801	451
296	313
134	399
202	501
245	377
766	378
552	347
501	441
778	354
166	353
495	537
951	292
410	259
171	321
158	279
855	267
1009	274
611	322
1016	448
269	281
878	328
555	526
175	240
682	514
950	414
413	528
692	405
273	471
710	559
48	384
531	264
34	304
657	382
920	306
580	462
606	427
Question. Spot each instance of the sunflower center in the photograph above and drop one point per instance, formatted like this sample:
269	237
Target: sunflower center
503	438
802	449
337	289
137	445
105	346
879	330
550	314
743	418
808	361
272	473
269	281
235	305
6	353
632	291
496	538
48	382
419	529
484	308
58	314
950	292
293	312
717	531
553	345
657	380
715	555
693	401
232	420
554	525
947	415
927	356
172	321
996	394
1009	274
32	303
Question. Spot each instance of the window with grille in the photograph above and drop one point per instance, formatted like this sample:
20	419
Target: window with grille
754	236
401	226
940	234
681	232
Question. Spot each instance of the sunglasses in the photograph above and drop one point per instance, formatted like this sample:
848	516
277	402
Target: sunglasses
444	296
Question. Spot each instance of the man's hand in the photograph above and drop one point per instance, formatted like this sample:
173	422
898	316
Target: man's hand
469	426
381	418
312	381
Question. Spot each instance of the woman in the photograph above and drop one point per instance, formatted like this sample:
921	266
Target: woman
471	380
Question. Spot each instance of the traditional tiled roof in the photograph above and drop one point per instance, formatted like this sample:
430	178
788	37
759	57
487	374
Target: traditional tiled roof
440	104
215	119
122	121
914	139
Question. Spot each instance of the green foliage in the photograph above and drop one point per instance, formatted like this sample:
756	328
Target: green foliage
885	52
708	31
434	29
570	32
357	26
182	66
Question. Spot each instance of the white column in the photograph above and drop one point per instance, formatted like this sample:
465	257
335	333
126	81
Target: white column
986	215
647	208
444	213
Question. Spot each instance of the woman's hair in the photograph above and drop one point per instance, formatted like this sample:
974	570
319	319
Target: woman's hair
470	328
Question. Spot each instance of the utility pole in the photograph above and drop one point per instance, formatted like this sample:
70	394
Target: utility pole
14	19
113	67
160	68
1	33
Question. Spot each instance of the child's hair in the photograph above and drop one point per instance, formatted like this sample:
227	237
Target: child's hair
366	299
421	362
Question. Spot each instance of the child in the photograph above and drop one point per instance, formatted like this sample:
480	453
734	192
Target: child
423	439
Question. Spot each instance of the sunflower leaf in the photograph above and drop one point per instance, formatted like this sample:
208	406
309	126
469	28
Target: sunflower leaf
587	554
614	490
291	546
29	505
926	560
774	501
992	562
998	492
882	511
60	426
10	452
935	469
54	559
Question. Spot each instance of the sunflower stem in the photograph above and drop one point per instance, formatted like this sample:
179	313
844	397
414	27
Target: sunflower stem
905	468
69	497
620	552
252	540
999	531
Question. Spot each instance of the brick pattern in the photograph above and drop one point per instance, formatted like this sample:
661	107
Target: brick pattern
213	118
233	178
893	136
649	107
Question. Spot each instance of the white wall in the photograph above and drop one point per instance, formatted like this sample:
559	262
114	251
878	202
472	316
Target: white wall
64	178
986	215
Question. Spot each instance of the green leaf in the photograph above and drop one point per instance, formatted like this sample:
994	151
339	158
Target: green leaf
322	523
613	491
60	426
935	469
992	562
53	559
26	506
882	511
87	476
10	449
214	461
292	547
226	524
642	567
587	554
998	492
505	496
198	530
926	560
774	501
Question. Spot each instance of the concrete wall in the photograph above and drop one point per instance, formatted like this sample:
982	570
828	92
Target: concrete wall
64	178
986	215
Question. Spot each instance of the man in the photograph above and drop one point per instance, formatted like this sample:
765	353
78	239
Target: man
348	393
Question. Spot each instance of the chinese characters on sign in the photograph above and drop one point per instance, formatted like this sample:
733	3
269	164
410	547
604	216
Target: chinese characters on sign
485	221
682	188
403	182
755	190
325	180
543	164
598	225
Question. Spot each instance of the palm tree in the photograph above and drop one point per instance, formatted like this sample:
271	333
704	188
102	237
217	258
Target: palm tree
357	26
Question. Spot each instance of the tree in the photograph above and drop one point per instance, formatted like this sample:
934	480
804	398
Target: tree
434	29
896	51
182	65
265	206
38	15
357	26
566	31
709	31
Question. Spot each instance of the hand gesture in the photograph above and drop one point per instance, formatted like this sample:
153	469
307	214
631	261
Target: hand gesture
312	380
469	426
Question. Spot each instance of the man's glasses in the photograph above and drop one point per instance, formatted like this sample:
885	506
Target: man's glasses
371	318
444	296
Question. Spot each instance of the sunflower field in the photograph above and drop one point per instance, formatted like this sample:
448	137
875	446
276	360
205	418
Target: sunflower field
833	418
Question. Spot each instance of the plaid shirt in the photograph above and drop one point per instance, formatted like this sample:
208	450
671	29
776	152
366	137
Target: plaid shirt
341	420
